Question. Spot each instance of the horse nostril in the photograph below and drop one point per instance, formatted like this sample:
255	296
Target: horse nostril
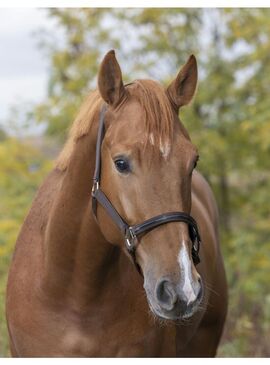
166	295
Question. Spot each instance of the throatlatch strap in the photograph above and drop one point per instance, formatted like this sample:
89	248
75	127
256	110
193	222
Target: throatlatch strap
96	177
100	137
107	205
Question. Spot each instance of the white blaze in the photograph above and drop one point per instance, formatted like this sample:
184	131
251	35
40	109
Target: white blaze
186	274
164	148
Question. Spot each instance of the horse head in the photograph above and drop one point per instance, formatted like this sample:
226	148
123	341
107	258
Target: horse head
147	165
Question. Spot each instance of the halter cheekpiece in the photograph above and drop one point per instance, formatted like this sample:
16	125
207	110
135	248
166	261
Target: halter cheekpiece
132	233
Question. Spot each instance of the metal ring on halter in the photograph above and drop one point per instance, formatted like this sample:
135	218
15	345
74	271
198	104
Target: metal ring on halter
95	187
131	239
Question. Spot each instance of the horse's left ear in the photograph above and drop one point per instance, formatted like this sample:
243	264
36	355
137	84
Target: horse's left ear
110	81
182	89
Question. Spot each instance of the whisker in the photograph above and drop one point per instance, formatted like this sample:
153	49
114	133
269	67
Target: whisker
210	288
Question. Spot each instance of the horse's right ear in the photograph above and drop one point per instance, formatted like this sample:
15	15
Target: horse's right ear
110	81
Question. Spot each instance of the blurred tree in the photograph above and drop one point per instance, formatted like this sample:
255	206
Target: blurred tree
90	33
248	41
228	121
2	134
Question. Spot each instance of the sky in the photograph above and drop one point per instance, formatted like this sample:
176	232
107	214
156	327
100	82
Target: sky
23	66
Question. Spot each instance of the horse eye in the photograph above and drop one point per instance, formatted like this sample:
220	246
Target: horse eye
122	165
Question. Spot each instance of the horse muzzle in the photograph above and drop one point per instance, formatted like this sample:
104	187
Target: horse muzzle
172	302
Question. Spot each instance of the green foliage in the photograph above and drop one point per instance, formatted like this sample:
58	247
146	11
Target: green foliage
228	121
22	169
73	66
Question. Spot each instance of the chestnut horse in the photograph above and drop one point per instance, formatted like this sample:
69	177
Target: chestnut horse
72	288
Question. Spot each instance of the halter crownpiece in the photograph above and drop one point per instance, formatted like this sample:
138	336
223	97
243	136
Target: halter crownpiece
131	233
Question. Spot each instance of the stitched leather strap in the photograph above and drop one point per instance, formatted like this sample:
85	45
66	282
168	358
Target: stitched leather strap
158	220
107	205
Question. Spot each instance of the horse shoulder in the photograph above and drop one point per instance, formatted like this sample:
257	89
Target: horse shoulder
27	262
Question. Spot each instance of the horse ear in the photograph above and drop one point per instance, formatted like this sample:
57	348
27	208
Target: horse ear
110	81
182	89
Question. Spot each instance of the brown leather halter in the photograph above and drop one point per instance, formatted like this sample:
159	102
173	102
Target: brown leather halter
131	233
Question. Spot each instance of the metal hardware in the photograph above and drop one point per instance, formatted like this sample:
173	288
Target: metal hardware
131	239
95	187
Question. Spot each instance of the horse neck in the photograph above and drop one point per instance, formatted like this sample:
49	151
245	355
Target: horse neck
77	256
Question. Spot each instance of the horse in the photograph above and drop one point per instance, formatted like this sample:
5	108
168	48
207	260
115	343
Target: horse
79	287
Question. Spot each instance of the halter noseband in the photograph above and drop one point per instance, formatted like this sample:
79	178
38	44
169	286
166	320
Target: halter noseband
131	233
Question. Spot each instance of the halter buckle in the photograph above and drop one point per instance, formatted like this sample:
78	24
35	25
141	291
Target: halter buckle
131	239
95	187
195	251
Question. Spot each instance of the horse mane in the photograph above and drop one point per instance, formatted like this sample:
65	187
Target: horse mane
80	127
158	118
158	114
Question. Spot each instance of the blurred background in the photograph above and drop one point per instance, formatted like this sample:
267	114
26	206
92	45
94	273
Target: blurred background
49	62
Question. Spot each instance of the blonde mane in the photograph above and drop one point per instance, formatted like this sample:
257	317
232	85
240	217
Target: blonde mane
80	127
158	117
